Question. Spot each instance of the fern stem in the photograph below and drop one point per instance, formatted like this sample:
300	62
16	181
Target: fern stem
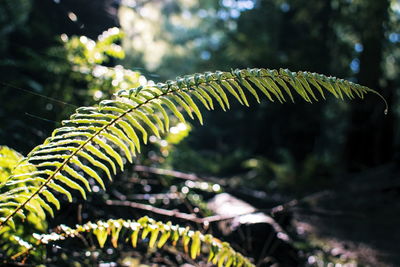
381	96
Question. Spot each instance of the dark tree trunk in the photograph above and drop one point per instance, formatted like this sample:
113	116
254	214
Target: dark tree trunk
370	136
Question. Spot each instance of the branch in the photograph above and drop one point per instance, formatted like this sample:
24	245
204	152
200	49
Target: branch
214	218
175	174
169	213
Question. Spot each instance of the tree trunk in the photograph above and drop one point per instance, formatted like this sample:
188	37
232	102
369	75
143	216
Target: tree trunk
370	135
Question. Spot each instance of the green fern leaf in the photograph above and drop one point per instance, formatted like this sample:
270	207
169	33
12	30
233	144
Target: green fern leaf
97	139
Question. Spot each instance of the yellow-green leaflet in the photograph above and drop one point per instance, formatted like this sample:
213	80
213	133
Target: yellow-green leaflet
56	144
110	151
60	189
101	155
173	108
147	121
221	258
196	245
94	115
159	122
229	261
55	149
134	237
233	92
116	228
70	184
45	206
307	86
204	94
193	105
145	231
85	121
215	95
183	104
263	88
118	143
250	89
211	254
338	90
125	137
273	87
74	133
77	176
10	223
328	87
101	234
239	89
240	260
135	143
34	173
164	238
284	86
34	207
153	236
95	163
88	170
221	92
201	98
160	108
316	85
137	125
55	164
51	198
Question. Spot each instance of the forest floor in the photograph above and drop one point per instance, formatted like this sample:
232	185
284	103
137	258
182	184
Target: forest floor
357	221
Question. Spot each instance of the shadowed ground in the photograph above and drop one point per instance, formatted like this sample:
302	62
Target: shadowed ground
358	220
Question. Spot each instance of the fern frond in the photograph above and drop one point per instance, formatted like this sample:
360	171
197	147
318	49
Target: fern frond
158	234
99	139
15	237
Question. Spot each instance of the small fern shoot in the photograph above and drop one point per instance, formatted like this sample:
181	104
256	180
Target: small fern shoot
156	234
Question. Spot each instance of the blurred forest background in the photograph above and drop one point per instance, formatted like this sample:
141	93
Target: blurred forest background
331	168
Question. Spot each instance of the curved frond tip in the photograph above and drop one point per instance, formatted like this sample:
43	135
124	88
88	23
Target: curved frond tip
154	234
97	141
